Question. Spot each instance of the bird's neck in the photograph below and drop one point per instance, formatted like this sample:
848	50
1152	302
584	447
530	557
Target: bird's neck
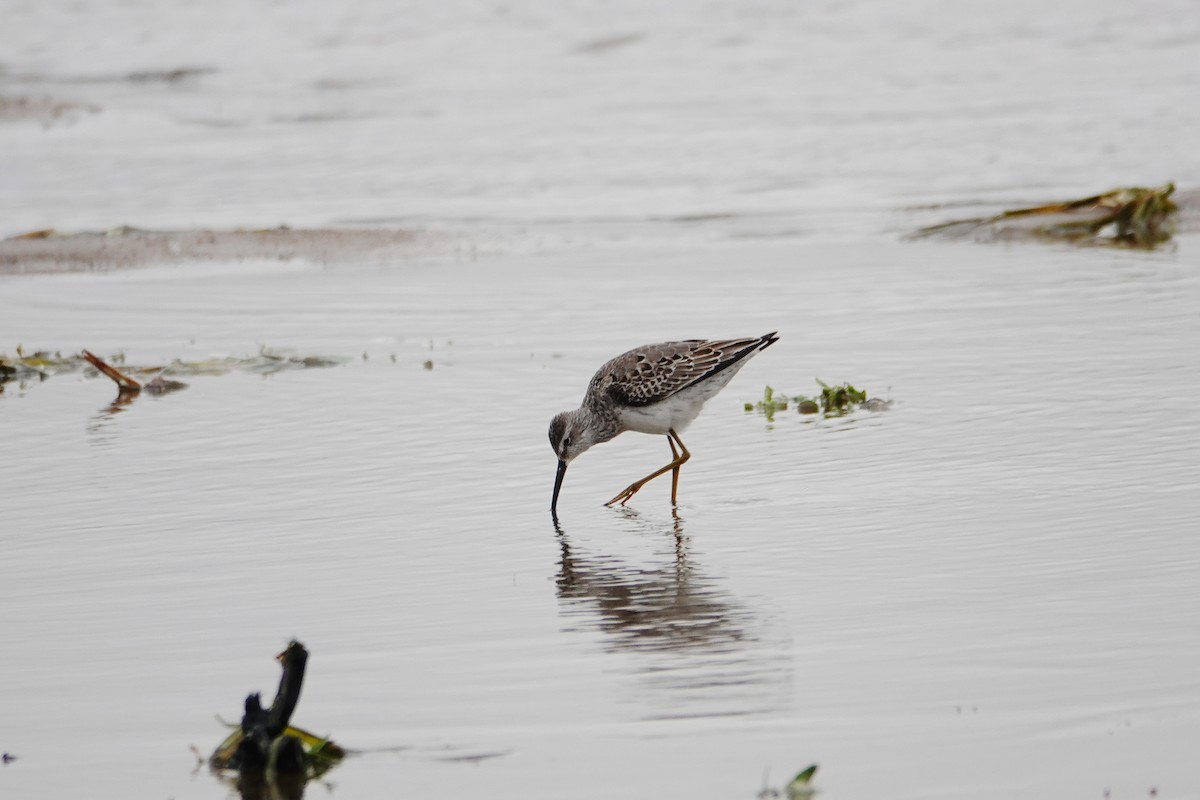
602	421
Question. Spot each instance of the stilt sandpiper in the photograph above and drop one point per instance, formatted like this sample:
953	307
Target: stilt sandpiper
657	388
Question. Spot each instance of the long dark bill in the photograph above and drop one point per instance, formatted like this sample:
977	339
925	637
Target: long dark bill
558	478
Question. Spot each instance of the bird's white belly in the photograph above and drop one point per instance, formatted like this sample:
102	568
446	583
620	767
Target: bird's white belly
677	411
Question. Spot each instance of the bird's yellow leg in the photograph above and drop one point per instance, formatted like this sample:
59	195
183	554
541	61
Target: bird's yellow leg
674	472
676	463
679	461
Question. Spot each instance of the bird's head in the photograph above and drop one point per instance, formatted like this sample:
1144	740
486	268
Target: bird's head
570	435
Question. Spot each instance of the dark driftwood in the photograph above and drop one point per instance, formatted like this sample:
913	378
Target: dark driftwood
264	745
273	758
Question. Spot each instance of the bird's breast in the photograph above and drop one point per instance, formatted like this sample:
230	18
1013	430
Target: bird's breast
648	419
675	413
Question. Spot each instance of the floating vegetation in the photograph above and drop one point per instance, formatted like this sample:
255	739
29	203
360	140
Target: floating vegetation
267	750
832	401
268	362
36	366
322	753
1133	216
153	379
769	404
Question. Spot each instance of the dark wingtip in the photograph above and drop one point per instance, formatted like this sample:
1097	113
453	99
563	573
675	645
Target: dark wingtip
768	340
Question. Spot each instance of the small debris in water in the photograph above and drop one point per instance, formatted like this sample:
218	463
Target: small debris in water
125	384
8	758
168	75
41	109
39	234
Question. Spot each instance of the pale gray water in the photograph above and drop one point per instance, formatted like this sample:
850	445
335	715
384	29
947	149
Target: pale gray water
991	590
788	114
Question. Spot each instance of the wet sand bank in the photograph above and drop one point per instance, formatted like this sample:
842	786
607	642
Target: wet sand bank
51	251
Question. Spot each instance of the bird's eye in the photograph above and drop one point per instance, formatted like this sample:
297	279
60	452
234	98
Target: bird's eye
566	441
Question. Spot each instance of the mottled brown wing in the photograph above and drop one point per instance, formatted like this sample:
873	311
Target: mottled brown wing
651	374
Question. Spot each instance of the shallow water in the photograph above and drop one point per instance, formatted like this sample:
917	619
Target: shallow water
990	590
1001	567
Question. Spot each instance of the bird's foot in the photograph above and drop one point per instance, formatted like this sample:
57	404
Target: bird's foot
625	494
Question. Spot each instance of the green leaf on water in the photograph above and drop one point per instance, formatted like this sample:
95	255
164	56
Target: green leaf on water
768	405
804	776
801	785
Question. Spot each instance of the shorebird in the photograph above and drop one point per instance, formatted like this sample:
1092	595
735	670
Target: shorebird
656	388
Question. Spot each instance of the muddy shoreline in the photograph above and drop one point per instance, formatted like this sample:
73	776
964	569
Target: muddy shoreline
50	251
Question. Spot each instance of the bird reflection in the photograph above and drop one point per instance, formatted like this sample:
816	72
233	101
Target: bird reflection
694	640
662	607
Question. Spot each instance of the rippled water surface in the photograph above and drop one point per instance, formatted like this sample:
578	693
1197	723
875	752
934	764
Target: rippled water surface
992	589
